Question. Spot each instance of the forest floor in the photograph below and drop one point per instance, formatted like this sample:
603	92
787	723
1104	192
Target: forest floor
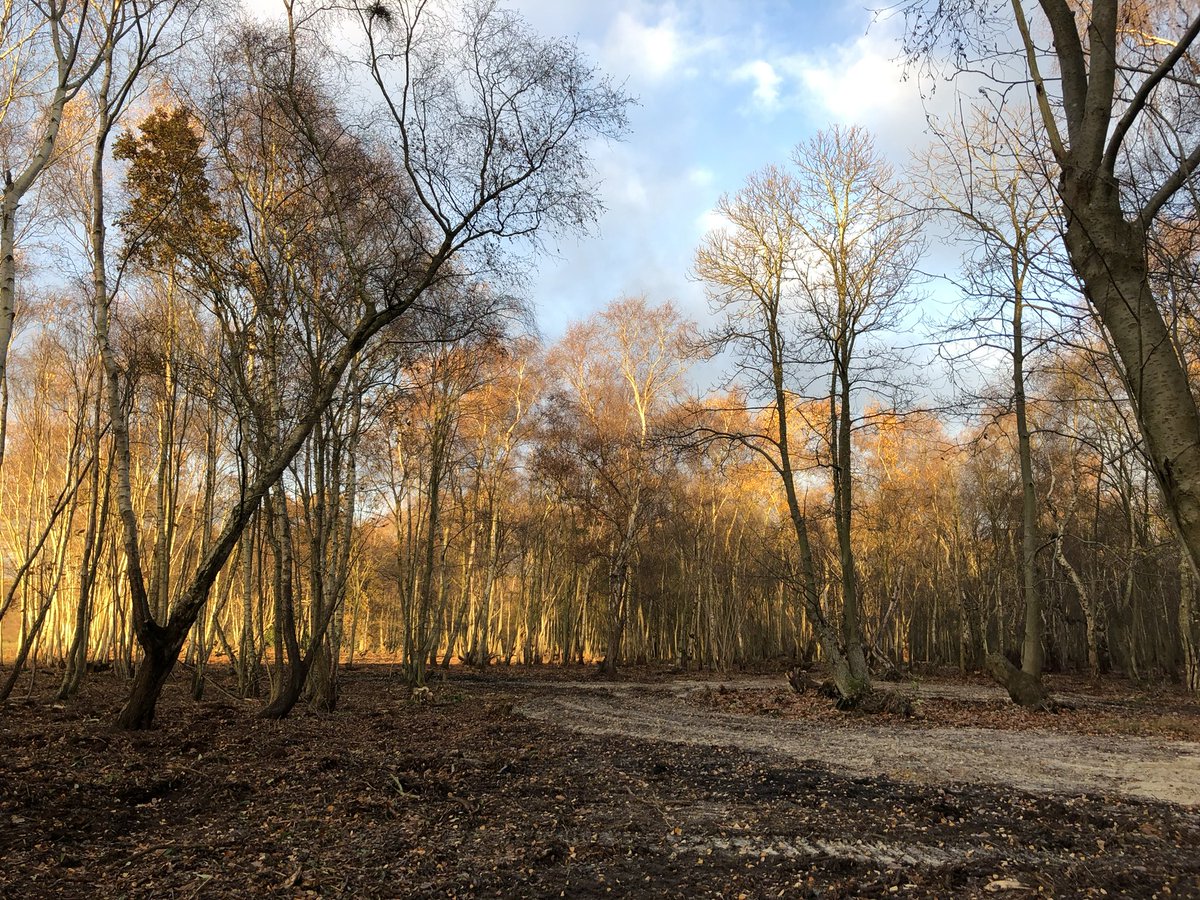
547	782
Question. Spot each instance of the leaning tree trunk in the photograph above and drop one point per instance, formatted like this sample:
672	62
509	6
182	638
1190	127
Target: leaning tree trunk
1109	254
157	640
1024	689
76	666
1091	609
34	630
160	651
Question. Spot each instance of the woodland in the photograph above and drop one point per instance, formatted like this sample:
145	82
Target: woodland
323	572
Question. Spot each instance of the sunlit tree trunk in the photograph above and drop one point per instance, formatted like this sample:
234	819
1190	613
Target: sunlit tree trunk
89	565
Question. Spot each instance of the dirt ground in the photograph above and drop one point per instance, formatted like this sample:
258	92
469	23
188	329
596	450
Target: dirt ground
1048	754
547	783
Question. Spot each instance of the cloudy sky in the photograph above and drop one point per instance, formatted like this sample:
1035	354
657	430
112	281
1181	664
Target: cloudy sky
723	89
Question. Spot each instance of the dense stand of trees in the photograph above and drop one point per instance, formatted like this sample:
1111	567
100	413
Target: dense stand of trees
483	515
491	519
270	399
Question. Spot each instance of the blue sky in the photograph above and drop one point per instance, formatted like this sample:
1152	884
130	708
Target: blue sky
723	89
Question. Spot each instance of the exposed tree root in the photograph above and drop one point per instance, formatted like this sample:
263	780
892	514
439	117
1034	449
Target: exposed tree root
875	702
868	702
802	683
799	680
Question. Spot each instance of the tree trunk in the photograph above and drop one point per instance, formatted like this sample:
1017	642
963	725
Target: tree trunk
160	653
481	653
1032	652
8	284
1189	625
420	654
293	668
288	692
1109	254
1024	689
1090	610
10	201
843	489
76	665
618	578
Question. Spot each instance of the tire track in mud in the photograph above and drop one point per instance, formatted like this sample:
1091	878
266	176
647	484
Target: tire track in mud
878	853
1045	762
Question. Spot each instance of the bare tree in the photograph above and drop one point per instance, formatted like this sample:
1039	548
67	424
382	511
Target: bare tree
984	174
616	373
749	272
1116	92
491	124
855	263
812	265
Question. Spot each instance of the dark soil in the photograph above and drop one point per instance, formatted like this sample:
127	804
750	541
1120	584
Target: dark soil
462	797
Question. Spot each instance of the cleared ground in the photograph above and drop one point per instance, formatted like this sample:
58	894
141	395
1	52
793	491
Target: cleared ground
548	783
1044	760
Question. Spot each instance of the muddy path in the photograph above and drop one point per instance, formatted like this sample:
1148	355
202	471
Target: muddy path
1043	761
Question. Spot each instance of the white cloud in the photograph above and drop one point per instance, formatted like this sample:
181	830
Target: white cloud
701	176
652	42
653	49
710	220
855	82
766	82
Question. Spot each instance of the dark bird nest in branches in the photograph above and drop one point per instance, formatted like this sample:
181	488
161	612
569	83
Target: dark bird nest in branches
380	11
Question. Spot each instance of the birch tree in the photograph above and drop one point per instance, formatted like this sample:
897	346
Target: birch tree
616	373
49	51
490	125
